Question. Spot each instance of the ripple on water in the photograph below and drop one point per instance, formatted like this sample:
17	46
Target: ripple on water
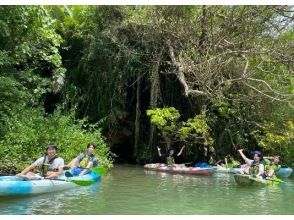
133	190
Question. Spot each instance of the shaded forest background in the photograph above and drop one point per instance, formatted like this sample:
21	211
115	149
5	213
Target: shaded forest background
216	75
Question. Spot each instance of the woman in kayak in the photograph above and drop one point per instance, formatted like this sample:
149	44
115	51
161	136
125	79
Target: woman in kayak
83	163
271	166
51	165
234	163
229	162
255	167
170	158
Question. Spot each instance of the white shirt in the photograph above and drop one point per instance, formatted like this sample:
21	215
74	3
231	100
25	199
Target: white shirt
260	166
57	163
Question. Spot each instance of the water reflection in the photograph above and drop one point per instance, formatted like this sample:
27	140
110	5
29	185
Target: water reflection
133	190
47	204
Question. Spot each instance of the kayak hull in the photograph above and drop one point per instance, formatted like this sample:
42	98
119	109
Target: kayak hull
31	187
15	186
247	180
284	172
179	169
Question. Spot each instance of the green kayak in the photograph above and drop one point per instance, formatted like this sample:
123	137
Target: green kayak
248	180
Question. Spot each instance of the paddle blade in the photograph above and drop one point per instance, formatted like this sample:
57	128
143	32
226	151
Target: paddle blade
275	179
83	182
99	170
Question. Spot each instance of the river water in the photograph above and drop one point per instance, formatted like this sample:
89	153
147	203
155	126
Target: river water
132	190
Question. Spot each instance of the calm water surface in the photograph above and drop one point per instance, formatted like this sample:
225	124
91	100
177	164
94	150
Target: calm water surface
132	190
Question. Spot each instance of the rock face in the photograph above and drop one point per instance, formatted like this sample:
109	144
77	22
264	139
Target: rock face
120	136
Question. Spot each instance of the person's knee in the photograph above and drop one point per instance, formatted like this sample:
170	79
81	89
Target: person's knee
90	165
74	163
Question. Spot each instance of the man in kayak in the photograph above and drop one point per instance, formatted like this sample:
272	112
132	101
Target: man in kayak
170	158
51	166
83	163
255	167
271	165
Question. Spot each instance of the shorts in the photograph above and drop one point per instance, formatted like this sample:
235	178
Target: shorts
76	171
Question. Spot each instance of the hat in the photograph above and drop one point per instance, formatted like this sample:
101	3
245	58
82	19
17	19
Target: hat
51	146
258	153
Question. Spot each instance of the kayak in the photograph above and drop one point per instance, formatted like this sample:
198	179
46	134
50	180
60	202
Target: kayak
179	169
248	180
284	172
220	169
16	186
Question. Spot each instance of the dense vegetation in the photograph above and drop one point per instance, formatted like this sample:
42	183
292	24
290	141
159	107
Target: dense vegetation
146	76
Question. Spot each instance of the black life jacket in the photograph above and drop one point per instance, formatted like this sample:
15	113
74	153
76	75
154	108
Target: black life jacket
45	166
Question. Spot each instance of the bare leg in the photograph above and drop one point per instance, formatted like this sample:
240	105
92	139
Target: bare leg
74	163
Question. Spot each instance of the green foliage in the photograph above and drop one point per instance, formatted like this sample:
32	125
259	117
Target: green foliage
196	128
165	119
31	132
13	98
278	139
29	33
98	52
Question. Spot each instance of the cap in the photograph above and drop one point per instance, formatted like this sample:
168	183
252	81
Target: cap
258	153
51	146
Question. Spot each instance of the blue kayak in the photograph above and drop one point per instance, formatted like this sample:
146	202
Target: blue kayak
284	172
15	186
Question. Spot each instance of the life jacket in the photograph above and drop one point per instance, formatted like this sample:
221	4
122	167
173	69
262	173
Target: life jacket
87	158
254	169
211	160
235	163
45	167
170	160
268	168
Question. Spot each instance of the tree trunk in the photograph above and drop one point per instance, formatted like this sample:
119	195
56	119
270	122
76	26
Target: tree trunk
203	36
155	93
137	120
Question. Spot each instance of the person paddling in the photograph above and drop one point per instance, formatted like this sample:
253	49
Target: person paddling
271	165
255	166
51	166
82	164
234	163
169	159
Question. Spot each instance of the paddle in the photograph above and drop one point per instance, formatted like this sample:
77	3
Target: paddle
275	180
80	182
100	170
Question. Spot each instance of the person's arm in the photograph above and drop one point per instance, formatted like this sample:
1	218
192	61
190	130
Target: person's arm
226	161
26	170
38	162
181	151
260	170
158	149
85	170
60	165
74	163
52	175
268	157
271	173
242	154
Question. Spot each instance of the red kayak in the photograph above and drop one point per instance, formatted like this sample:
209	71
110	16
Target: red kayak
178	169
